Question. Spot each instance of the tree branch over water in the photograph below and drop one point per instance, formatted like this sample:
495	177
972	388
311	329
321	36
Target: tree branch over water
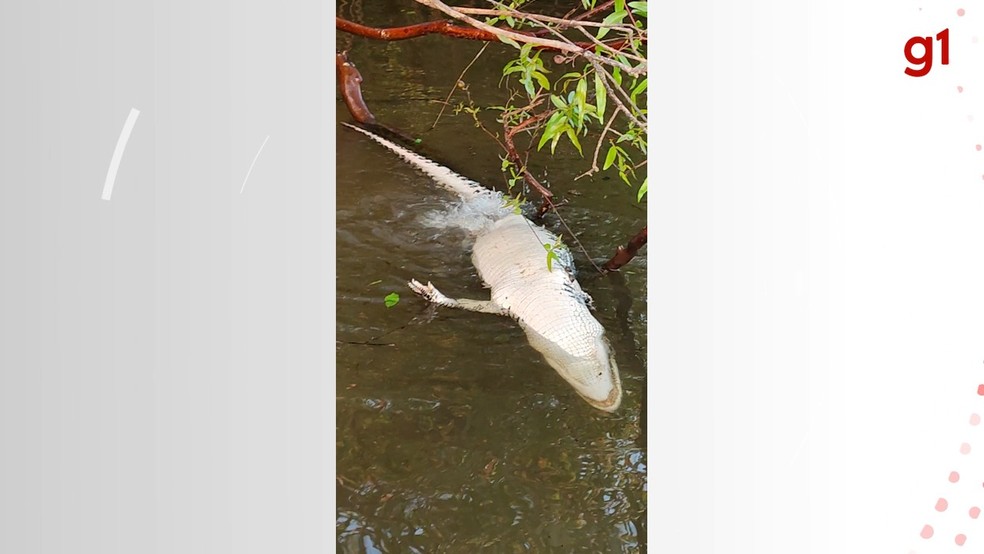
562	88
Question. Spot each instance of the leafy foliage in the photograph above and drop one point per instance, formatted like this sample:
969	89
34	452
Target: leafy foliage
599	99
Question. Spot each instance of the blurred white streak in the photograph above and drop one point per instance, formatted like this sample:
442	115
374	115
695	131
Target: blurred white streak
114	164
254	163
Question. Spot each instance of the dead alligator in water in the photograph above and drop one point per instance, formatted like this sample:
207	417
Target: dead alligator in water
547	301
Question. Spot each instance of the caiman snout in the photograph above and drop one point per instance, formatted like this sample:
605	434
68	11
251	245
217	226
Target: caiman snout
610	403
604	393
594	376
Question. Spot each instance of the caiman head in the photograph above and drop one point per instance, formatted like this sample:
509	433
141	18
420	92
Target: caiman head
592	370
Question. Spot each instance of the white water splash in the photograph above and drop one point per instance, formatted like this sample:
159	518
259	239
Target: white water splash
472	215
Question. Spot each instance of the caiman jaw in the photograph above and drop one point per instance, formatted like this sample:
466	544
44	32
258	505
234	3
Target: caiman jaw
609	404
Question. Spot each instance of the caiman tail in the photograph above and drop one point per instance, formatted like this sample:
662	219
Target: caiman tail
458	184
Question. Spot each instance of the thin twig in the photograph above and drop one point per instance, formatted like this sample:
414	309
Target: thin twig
595	11
458	80
601	140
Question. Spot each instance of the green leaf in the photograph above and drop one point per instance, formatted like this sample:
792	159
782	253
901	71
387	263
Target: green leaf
556	138
581	93
601	97
528	85
542	79
571	75
610	158
643	189
639	88
640	8
552	129
551	255
510	42
614	18
391	299
573	137
524	51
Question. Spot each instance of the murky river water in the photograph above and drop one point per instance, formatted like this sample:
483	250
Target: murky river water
453	434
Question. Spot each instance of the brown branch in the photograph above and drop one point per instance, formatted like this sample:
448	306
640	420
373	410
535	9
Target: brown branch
413	31
458	31
624	254
584	50
548	203
514	157
349	82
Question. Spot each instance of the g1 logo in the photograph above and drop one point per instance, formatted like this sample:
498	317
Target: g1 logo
926	60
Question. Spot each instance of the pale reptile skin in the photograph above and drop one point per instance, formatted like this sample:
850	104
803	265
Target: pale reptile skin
547	302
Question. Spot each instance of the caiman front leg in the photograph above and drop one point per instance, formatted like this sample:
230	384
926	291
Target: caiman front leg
430	293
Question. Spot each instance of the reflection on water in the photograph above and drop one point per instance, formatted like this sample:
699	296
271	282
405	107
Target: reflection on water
452	433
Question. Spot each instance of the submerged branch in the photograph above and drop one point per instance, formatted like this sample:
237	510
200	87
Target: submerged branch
350	84
624	254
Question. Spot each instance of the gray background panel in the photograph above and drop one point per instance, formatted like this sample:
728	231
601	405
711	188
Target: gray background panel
165	356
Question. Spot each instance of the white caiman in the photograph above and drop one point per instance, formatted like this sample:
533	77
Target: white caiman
545	298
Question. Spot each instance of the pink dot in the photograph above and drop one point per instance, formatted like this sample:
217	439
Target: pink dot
974	512
960	540
965	448
927	531
954	476
941	505
978	147
974	418
980	390
959	89
961	12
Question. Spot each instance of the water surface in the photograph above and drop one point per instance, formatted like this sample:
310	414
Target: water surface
453	434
